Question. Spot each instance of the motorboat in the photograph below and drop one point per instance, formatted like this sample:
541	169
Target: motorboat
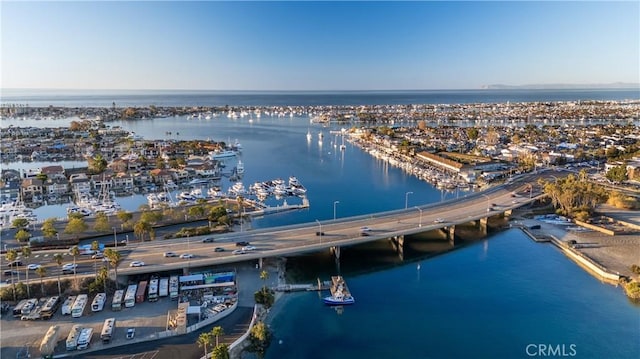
240	168
340	294
219	155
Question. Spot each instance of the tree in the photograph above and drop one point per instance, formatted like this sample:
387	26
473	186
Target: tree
11	256
124	217
58	259
75	251
101	223
617	174
102	276
22	236
151	217
196	211
114	258
264	275
48	229
42	177
217	331
221	351
20	223
204	340
259	339
26	254
97	164
141	228
41	271
75	226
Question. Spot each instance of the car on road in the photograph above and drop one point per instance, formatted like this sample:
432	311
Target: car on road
238	251
438	220
365	229
364	234
242	244
186	255
207	240
218	249
97	255
16	264
136	264
70	266
33	266
170	254
131	332
318	233
10	272
248	248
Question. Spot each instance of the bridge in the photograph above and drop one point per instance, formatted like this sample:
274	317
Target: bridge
321	235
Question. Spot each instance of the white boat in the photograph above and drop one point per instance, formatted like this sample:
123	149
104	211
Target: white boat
214	193
240	167
340	294
237	189
186	196
309	136
218	155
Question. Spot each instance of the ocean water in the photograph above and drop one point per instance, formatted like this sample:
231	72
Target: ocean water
123	98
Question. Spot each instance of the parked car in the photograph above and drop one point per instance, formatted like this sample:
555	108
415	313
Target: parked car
218	249
170	254
207	240
131	332
136	264
242	244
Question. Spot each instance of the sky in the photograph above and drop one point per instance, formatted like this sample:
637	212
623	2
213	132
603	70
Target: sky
291	45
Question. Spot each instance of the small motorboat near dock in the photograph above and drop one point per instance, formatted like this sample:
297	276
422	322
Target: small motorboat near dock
340	294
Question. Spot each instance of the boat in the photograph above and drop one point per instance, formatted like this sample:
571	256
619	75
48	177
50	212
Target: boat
308	136
218	155
238	189
240	168
186	196
340	294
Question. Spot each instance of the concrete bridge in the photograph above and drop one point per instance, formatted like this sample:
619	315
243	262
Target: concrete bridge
474	208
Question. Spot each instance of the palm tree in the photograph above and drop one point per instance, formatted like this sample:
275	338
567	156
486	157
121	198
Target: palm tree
141	228
114	258
217	332
220	352
204	340
42	271
11	255
102	276
264	275
58	258
26	253
75	251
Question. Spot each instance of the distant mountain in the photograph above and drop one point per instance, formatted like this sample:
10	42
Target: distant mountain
615	85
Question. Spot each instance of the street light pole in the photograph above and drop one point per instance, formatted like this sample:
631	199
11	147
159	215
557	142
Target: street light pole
334	209
419	209
406	199
115	238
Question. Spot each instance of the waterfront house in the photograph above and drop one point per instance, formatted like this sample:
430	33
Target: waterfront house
122	182
56	186
54	172
161	176
9	190
80	183
31	188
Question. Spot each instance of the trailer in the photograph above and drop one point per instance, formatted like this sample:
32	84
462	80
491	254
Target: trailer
68	304
116	303
50	307
17	310
98	302
72	338
173	287
153	290
49	342
142	290
78	306
84	340
164	287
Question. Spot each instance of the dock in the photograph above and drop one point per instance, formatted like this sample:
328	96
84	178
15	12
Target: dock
326	285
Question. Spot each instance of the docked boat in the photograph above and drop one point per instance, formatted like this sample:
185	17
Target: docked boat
340	294
186	196
219	155
240	168
238	189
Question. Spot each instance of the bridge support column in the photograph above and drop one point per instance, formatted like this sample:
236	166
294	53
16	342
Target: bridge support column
260	262
482	225
185	271
398	244
451	234
336	252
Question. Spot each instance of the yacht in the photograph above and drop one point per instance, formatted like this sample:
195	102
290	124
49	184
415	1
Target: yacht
237	189
218	155
240	168
186	196
214	192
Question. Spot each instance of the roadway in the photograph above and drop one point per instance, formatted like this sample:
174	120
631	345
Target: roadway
300	238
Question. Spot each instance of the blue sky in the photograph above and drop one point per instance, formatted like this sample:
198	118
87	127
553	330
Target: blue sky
316	45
